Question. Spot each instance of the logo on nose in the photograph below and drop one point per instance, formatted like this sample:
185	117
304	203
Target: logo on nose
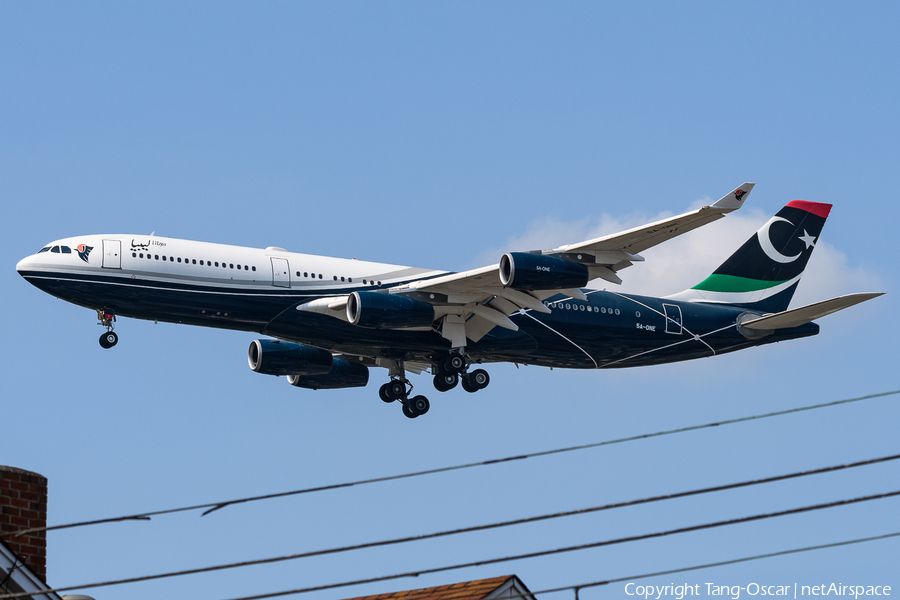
84	251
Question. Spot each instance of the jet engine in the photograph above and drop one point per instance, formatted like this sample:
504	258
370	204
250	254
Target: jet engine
344	374
274	357
525	271
375	310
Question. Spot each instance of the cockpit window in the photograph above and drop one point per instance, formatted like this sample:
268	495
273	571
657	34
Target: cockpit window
44	249
55	249
65	249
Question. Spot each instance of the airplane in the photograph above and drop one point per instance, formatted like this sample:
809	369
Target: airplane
329	320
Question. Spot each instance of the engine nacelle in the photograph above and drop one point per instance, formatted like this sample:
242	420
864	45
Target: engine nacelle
375	310
524	271
344	374
274	357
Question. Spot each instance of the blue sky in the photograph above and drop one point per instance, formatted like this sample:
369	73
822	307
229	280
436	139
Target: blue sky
440	135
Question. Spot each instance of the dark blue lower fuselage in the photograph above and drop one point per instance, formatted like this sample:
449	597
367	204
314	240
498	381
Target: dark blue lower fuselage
608	330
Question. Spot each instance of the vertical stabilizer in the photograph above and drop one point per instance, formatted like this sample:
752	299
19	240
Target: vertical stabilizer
763	274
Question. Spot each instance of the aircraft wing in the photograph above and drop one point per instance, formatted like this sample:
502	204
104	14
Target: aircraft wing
800	316
644	237
478	300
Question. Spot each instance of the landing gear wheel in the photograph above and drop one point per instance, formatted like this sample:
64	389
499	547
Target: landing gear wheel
455	363
109	339
444	382
419	405
408	412
384	392
476	380
479	378
396	389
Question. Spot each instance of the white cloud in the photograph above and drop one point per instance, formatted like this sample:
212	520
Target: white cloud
686	260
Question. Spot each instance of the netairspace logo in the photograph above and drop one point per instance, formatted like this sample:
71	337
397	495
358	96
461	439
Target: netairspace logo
679	592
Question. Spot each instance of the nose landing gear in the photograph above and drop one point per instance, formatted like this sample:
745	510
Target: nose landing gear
107	319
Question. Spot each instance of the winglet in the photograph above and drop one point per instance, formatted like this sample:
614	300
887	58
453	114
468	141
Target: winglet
735	199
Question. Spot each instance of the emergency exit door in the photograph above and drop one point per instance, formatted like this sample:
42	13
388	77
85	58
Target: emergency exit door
673	318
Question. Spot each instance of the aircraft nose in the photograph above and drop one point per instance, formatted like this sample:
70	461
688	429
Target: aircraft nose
24	264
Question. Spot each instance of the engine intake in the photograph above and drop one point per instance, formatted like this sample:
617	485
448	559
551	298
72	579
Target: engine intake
524	271
274	357
375	310
344	374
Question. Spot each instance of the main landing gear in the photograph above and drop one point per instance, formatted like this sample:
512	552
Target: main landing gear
452	370
107	319
399	388
449	372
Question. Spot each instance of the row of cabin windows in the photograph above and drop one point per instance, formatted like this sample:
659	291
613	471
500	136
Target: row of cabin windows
193	261
308	275
574	306
67	250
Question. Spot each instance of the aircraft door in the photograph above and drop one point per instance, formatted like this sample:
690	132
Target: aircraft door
281	272
112	254
673	318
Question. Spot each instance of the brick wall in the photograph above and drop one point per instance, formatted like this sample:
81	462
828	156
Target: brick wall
23	504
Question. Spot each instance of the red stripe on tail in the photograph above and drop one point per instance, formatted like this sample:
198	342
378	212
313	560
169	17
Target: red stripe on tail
817	208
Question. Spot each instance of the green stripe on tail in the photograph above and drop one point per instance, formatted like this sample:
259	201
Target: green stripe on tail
733	284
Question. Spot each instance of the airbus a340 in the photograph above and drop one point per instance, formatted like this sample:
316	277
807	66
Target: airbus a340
329	320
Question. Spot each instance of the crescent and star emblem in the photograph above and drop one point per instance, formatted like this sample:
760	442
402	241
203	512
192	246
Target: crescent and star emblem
766	243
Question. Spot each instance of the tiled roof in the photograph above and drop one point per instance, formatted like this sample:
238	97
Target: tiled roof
466	590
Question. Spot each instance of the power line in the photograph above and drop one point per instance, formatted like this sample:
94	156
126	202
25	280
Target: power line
476	564
214	506
489	561
521	521
723	563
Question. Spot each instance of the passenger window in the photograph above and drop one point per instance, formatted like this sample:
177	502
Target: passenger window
179	259
305	274
335	277
320	276
342	278
231	265
142	255
55	249
134	255
217	264
194	261
350	279
254	268
157	256
66	250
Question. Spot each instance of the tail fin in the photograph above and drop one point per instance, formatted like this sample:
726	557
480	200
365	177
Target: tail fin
763	274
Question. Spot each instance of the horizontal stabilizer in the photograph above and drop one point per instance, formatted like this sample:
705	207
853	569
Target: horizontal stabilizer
805	314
